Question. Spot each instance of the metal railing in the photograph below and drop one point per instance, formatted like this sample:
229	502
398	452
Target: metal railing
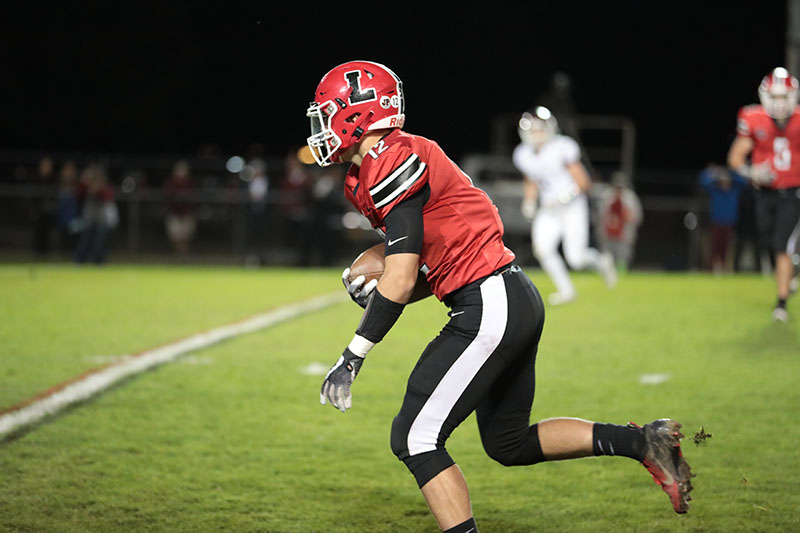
289	229
607	141
285	231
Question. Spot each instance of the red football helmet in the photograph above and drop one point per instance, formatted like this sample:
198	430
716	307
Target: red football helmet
778	93
353	98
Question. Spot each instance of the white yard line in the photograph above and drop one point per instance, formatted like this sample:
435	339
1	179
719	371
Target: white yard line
93	382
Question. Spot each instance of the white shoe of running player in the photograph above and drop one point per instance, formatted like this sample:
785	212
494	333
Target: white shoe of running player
779	314
559	298
608	270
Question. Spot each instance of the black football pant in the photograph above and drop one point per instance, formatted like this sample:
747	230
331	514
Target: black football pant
483	360
778	218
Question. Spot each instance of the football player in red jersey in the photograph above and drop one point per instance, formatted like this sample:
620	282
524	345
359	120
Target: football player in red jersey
769	135
436	222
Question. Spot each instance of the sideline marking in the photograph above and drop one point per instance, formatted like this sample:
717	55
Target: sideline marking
314	369
654	379
94	381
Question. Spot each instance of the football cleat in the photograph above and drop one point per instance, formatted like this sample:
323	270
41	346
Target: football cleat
608	270
779	314
560	298
665	462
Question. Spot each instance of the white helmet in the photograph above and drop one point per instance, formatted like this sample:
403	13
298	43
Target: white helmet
778	93
538	127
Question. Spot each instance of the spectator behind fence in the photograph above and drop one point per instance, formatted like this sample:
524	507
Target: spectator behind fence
295	192
257	185
724	189
98	215
42	213
255	176
67	213
322	230
620	214
180	218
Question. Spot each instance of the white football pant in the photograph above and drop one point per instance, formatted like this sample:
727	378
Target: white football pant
569	225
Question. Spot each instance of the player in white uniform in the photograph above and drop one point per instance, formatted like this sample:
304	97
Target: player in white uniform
554	198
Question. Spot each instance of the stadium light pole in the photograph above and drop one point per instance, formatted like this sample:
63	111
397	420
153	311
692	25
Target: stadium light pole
793	36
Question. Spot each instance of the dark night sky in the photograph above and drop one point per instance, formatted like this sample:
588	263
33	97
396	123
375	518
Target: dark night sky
166	77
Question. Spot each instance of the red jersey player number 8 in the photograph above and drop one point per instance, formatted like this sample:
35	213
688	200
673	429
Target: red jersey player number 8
783	154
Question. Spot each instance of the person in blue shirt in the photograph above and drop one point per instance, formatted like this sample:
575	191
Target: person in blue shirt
724	189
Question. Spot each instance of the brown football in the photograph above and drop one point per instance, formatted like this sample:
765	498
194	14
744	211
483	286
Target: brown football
370	264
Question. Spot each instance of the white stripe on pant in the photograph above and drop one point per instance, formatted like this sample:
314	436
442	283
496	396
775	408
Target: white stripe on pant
425	429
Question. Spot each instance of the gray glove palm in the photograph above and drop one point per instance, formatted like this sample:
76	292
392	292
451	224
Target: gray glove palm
336	386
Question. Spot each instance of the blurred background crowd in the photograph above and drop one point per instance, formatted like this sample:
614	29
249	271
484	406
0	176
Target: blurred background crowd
205	209
257	209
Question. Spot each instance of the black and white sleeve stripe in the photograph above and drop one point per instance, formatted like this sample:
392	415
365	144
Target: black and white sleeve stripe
398	181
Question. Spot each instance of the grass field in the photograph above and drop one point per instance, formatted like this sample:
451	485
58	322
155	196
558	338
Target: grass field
232	437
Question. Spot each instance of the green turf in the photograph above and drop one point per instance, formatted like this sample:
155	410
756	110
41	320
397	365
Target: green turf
58	321
232	438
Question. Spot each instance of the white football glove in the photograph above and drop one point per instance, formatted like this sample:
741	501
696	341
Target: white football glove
528	208
565	197
336	386
760	174
356	288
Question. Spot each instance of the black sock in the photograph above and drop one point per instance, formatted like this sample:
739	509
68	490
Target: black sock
464	527
781	303
611	439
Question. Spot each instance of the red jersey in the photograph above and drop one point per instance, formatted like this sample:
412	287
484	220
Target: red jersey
463	235
779	146
178	192
616	217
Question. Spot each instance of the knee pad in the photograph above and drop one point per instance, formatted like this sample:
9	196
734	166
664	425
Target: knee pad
399	438
428	465
424	466
516	449
403	443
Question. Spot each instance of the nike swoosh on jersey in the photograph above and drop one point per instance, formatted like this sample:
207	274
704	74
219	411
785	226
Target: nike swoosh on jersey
398	181
393	241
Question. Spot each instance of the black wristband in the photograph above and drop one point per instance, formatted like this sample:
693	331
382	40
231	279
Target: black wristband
379	317
353	361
